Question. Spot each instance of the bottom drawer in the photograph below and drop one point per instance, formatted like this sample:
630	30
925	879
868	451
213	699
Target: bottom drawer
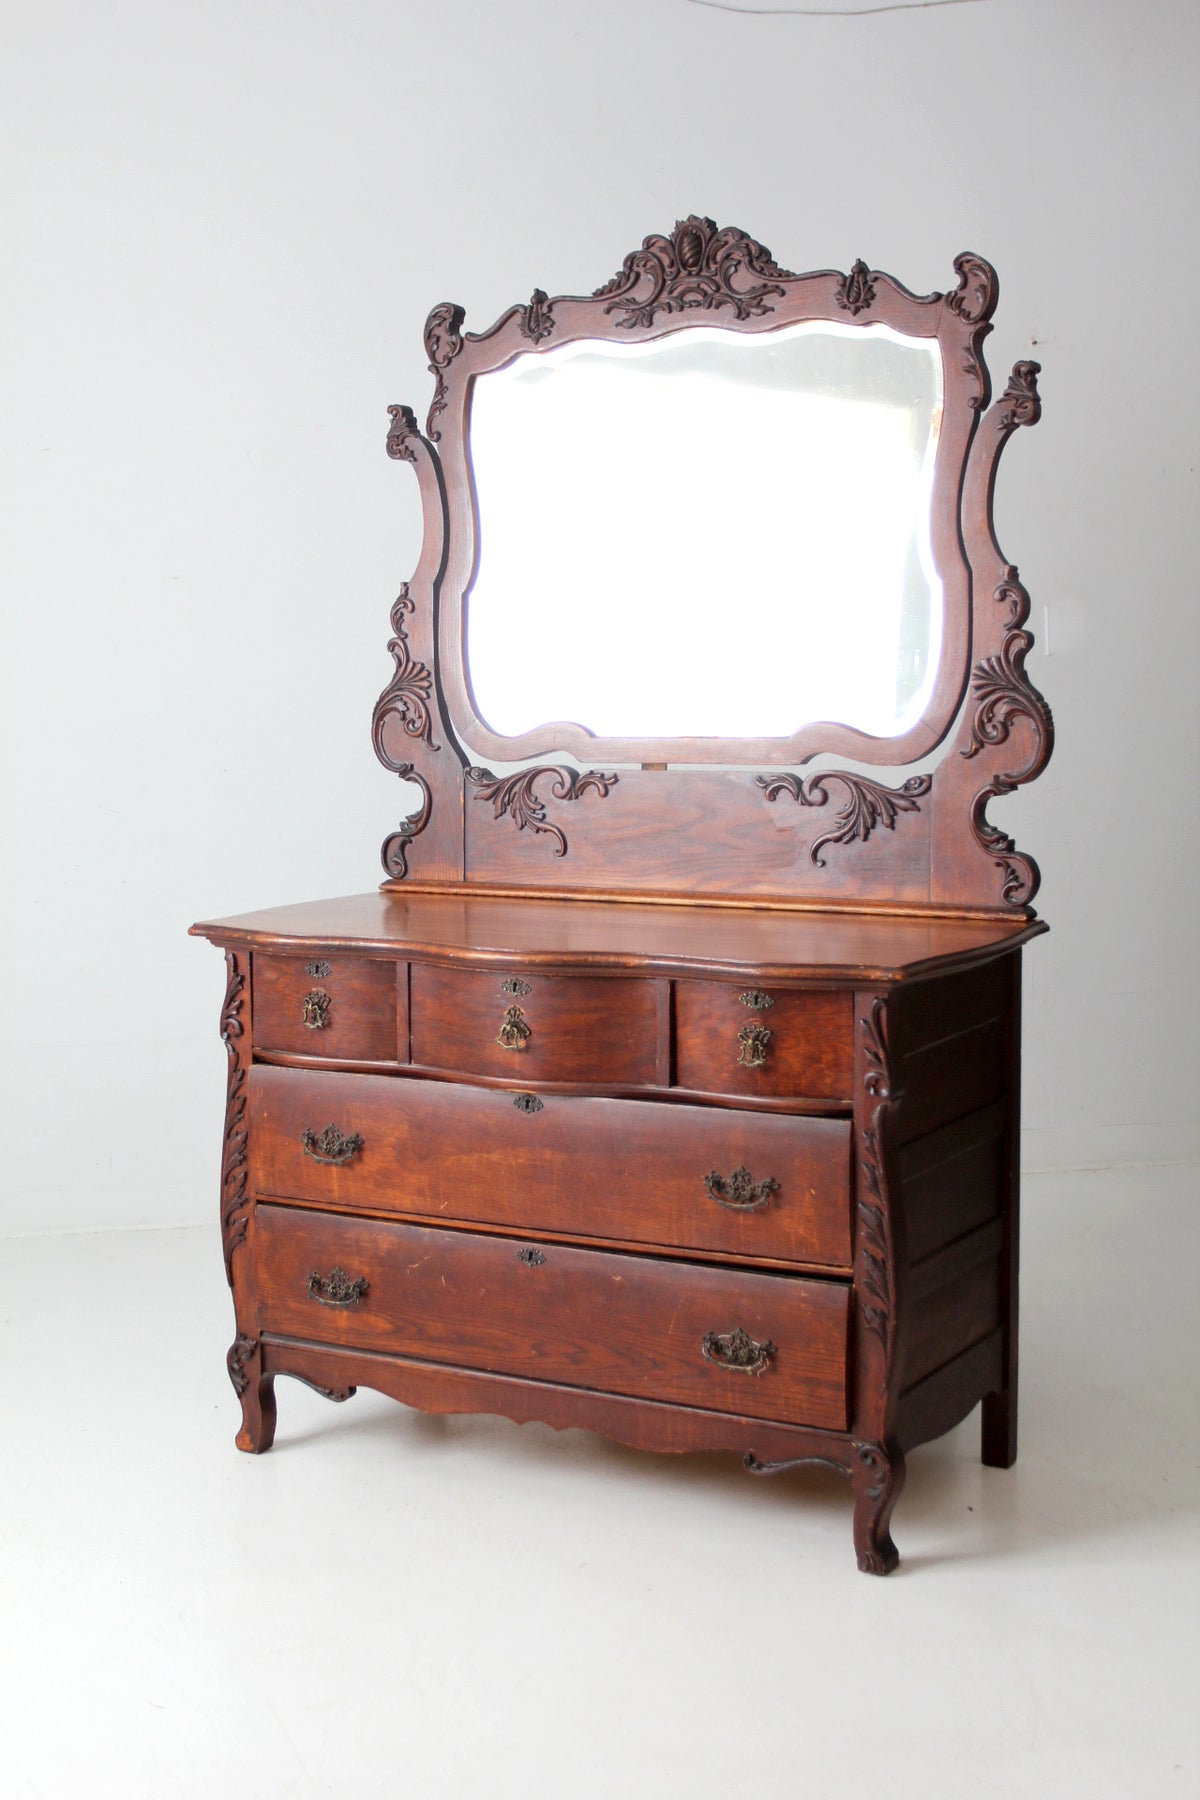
764	1346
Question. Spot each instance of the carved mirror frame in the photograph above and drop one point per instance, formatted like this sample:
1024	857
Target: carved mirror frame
682	823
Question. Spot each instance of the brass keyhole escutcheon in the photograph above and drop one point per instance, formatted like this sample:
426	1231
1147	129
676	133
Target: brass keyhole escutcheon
752	1046
316	1009
515	1032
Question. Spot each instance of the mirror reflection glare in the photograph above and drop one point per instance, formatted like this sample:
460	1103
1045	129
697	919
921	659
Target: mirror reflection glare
713	535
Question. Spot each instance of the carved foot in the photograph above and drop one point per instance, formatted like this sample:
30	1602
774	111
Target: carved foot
878	1476
999	1430
256	1392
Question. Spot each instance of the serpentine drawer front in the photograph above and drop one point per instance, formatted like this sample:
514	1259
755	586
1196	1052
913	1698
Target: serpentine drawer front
761	1346
535	1027
735	1039
328	1006
706	1178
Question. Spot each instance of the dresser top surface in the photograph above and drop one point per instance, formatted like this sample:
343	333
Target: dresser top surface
469	928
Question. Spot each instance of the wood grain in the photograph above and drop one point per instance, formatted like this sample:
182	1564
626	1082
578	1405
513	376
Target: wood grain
579	1029
621	1324
361	1022
626	1170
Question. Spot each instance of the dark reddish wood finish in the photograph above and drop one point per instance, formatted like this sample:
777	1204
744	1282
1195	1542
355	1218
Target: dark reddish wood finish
624	1171
360	1022
562	1256
652	816
810	1049
602	1032
621	1324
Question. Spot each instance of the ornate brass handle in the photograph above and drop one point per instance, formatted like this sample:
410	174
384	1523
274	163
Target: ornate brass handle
738	1351
514	1030
336	1288
753	1041
740	1193
316	1009
329	1146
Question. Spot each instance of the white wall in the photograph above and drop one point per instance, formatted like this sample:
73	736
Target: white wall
229	221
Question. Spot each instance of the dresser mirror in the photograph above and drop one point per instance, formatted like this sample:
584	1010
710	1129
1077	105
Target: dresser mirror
751	513
708	567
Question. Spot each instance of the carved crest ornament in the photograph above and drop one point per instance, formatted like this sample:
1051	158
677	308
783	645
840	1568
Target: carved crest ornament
700	273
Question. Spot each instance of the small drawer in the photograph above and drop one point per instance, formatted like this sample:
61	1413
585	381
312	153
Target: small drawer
765	1346
535	1027
738	1184
340	1007
773	1042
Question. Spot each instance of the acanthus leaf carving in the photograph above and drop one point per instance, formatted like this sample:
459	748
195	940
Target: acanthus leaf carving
697	265
1003	694
1021	401
408	694
243	1350
443	341
235	1201
516	795
855	292
874	1279
974	299
394	852
402	432
868	805
535	321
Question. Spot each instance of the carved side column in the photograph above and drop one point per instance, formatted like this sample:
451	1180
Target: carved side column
254	1389
408	727
1005	733
877	1470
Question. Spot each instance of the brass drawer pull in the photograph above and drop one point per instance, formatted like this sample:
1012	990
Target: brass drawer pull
329	1146
336	1288
514	1030
753	1041
738	1351
740	1193
316	1009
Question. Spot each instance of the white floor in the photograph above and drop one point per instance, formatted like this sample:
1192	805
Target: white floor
467	1610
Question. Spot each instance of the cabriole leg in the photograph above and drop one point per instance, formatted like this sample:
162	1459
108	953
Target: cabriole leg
256	1392
878	1477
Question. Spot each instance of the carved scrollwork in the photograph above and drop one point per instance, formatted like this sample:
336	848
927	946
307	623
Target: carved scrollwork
402	432
855	292
243	1350
443	341
535	321
1021	401
974	299
408	694
696	266
394	853
1004	693
235	1203
516	795
868	803
874	1276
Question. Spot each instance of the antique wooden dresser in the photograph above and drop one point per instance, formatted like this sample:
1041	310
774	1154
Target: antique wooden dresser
669	1085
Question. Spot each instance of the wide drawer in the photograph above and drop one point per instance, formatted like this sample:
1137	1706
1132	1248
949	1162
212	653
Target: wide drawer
638	1171
765	1346
341	1007
769	1043
535	1027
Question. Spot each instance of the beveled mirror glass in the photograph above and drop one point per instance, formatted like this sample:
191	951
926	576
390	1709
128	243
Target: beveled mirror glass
748	517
